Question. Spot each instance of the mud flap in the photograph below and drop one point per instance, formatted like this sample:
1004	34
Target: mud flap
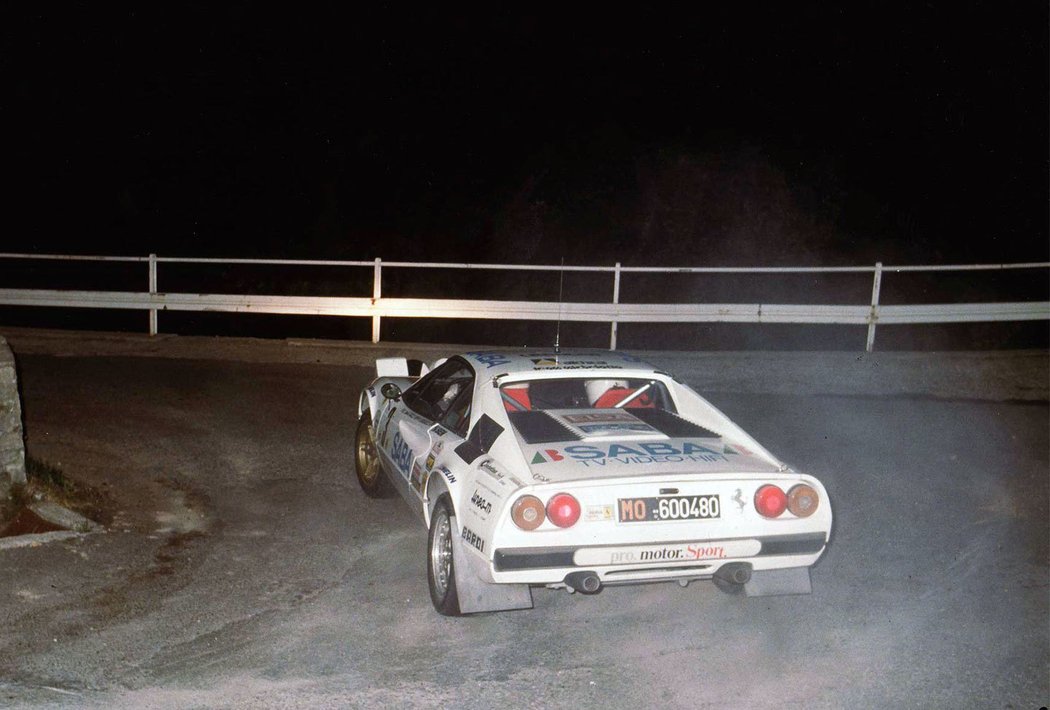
478	596
775	582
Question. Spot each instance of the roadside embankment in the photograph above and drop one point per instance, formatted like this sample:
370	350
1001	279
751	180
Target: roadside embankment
983	375
12	447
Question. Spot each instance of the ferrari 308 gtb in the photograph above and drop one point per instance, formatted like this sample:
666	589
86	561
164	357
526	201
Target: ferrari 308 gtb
579	470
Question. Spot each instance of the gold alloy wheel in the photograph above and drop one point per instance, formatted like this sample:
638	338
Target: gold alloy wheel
367	456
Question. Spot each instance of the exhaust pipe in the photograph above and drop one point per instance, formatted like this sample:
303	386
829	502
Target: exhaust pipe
585	582
736	573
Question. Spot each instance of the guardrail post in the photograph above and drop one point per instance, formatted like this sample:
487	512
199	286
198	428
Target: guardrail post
616	299
874	316
152	291
377	293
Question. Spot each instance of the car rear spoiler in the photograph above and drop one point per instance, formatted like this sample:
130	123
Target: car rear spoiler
402	367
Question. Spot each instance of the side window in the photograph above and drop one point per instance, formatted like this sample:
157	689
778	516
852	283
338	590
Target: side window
434	395
458	416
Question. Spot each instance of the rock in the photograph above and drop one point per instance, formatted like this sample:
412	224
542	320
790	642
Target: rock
12	443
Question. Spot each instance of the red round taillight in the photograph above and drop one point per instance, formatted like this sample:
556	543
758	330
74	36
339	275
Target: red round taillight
563	510
527	512
802	500
770	501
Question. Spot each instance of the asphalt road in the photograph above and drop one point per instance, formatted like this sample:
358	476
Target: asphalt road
243	567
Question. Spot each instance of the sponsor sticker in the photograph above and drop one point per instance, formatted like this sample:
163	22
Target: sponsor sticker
680	552
449	476
489	359
598	513
473	539
492	471
579	365
401	453
547	455
419	478
409	414
479	501
386	427
430	461
636	454
550	361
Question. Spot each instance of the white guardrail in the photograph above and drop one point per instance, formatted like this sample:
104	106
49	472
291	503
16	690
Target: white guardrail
613	312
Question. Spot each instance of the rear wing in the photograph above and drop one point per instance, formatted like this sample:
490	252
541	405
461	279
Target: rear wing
392	367
403	367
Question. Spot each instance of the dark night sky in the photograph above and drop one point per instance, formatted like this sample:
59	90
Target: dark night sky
769	134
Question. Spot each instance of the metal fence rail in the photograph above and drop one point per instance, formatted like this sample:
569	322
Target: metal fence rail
613	312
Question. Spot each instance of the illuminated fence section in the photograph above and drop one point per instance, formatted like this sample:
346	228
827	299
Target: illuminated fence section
611	311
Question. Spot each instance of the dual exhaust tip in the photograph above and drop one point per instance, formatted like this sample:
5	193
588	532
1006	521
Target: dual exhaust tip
738	573
583	582
735	574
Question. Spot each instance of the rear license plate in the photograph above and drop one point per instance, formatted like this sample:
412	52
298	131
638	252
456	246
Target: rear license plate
644	510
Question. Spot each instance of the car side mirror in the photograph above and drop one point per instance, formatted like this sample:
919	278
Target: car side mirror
391	391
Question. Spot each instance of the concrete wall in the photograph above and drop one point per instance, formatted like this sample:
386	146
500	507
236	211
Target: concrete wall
12	448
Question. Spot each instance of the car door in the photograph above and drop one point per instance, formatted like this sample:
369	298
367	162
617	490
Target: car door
446	435
434	410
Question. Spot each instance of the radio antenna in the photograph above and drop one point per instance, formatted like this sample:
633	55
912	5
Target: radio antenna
561	286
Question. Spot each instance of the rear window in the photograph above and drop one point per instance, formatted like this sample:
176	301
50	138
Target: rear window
585	393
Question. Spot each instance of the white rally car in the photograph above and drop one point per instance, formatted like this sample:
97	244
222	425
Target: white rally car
578	470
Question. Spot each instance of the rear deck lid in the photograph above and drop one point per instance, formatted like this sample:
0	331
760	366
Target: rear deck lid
574	444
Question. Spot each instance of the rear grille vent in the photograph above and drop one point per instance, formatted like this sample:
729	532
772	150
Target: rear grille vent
538	427
671	424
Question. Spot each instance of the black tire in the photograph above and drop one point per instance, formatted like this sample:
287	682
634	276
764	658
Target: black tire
441	566
367	465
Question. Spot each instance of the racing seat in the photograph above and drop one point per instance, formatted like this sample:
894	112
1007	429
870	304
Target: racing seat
614	396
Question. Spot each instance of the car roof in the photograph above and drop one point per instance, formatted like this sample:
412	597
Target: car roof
513	362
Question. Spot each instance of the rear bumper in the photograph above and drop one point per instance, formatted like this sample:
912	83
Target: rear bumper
655	561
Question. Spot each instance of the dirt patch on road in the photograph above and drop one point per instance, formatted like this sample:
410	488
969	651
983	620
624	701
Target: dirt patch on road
171	555
47	482
26	522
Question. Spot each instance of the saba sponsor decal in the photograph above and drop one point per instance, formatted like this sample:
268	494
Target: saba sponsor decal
623	454
401	454
489	359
